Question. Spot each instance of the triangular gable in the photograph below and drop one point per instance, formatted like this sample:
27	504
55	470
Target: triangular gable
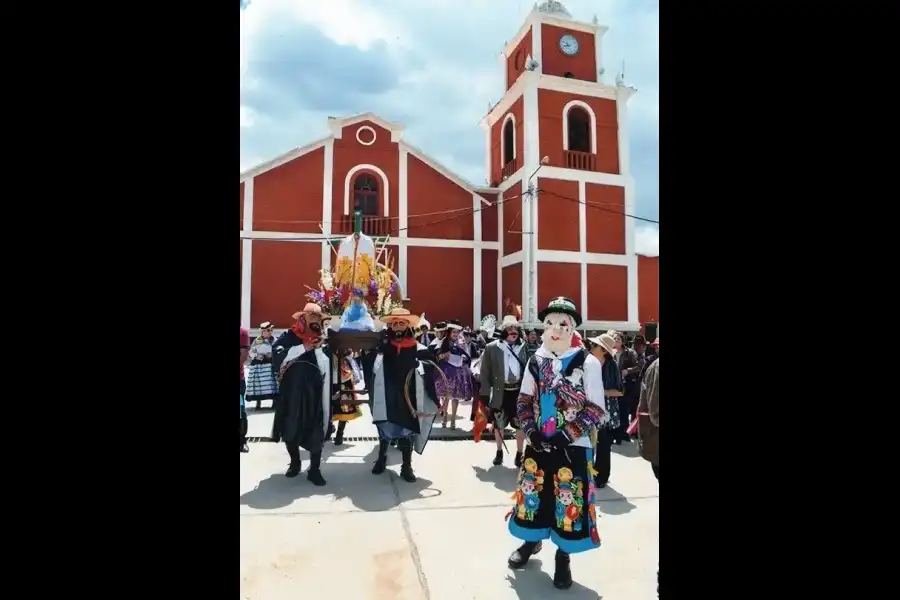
337	125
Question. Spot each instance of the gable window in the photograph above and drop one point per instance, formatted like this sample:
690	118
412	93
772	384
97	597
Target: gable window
365	194
579	129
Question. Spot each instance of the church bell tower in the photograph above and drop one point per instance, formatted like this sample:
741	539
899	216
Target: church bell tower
557	148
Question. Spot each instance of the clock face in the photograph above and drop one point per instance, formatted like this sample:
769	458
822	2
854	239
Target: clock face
568	44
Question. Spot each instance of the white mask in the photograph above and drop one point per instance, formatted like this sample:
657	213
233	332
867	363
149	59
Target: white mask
557	335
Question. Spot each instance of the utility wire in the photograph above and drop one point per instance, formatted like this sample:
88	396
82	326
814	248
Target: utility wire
597	206
469	212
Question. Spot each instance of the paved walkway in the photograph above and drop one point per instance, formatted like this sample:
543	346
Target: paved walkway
371	537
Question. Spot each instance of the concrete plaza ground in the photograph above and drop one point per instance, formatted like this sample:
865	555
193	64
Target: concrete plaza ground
371	537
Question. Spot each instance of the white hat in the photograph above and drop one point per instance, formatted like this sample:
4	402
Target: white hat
509	321
605	341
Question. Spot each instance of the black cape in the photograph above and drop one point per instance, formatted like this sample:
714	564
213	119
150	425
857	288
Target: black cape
299	411
396	367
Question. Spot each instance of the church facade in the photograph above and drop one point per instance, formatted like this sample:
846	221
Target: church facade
551	221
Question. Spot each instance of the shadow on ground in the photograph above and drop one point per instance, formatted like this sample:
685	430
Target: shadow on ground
356	482
502	477
611	502
531	583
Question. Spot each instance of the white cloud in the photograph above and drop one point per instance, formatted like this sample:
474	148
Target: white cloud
646	240
431	65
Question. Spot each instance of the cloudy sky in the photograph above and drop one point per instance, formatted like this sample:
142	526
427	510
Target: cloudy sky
409	60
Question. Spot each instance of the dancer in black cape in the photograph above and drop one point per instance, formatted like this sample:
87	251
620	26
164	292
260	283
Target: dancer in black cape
386	371
302	409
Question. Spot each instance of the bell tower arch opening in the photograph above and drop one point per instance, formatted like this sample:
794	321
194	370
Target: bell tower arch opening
508	140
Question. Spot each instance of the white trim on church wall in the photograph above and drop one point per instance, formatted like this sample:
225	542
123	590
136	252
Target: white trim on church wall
246	281
384	181
549	172
511	259
499	254
284	158
576	87
247	254
409	242
565	123
591	258
476	258
327	200
532	162
537	47
582	244
403	220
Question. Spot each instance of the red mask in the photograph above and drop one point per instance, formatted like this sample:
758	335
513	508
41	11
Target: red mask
309	332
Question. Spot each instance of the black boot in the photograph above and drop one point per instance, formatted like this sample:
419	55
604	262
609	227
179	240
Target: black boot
562	576
315	474
339	436
381	462
406	470
518	461
519	558
296	465
498	458
294	469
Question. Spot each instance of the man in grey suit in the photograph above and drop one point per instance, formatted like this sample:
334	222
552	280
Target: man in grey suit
502	366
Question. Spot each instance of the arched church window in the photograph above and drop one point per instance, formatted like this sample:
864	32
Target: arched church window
365	194
509	142
579	124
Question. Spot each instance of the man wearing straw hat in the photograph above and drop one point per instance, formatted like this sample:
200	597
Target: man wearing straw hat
559	409
302	410
394	374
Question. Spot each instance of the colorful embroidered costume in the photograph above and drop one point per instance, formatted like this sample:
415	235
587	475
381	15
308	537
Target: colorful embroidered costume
560	406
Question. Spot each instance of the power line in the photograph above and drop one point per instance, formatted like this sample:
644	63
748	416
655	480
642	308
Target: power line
598	207
469	212
309	221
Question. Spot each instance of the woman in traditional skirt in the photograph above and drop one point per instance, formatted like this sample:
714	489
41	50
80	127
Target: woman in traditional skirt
351	378
454	360
261	384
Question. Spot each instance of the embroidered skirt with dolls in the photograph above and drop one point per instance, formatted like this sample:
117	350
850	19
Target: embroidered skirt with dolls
555	497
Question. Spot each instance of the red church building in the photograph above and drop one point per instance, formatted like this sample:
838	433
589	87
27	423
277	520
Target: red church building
550	223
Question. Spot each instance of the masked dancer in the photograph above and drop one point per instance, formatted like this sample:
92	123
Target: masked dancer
502	368
560	407
302	410
394	367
